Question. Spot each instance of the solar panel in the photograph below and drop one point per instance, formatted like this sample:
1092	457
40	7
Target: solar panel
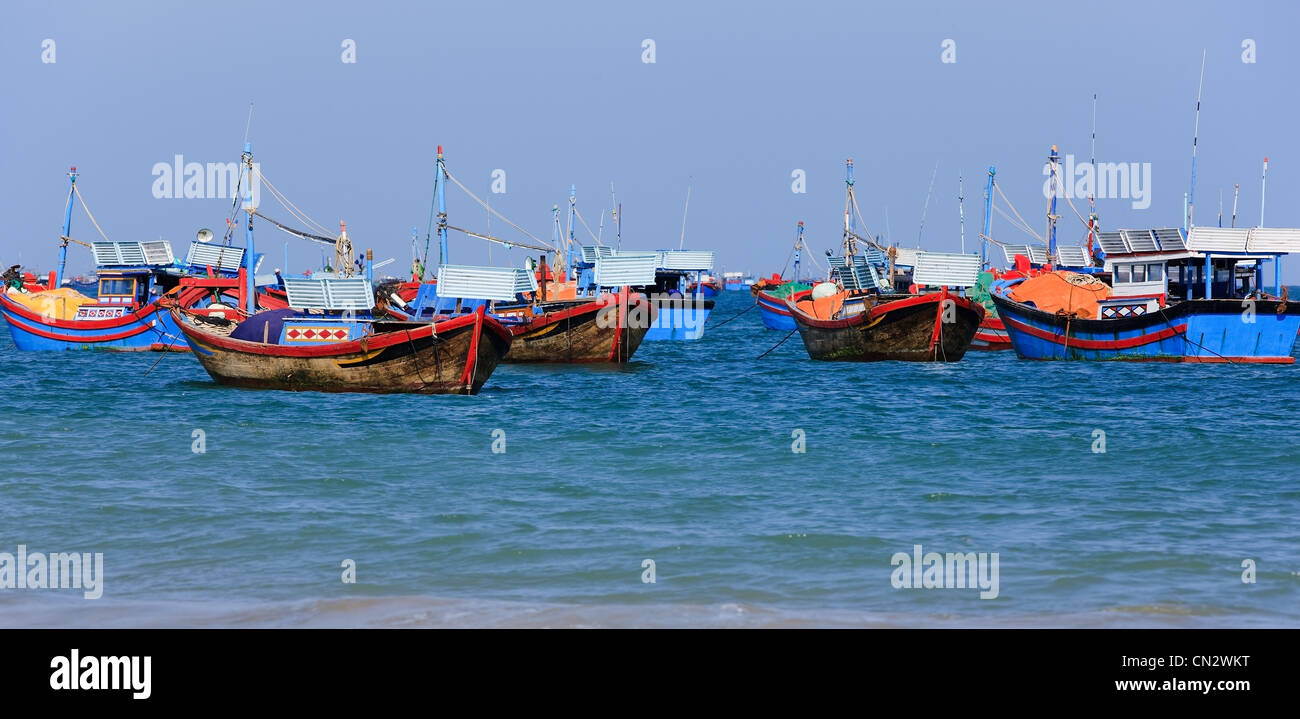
110	254
1170	239
484	283
332	293
1140	240
1072	257
1112	243
627	269
940	268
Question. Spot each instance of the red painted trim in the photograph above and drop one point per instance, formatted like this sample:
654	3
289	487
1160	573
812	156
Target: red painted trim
139	315
1126	343
621	298
77	339
471	360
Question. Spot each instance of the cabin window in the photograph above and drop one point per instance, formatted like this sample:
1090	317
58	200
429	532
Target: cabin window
1139	273
1155	273
1122	273
118	287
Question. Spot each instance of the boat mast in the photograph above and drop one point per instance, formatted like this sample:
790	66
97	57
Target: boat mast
849	225
67	226
961	211
1054	159
988	218
1093	223
440	191
682	242
555	236
1263	179
797	243
1196	129
573	211
250	255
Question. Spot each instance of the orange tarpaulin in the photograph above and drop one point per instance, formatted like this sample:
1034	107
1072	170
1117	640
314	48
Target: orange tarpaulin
824	308
1063	292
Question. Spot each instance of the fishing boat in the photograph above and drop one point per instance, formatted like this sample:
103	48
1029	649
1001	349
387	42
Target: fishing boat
861	324
572	312
1028	260
771	292
736	281
708	287
1176	296
859	315
328	341
124	314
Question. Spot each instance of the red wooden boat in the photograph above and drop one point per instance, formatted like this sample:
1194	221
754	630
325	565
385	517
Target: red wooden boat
860	326
607	329
333	349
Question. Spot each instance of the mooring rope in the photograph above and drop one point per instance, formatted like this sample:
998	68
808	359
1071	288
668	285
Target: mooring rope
778	344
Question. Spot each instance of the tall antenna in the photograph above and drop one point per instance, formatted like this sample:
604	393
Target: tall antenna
1196	131
1093	151
249	124
682	243
926	206
1236	187
1220	207
1263	179
961	211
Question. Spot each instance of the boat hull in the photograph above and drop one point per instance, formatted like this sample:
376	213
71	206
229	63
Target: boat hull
1188	331
145	329
455	356
776	316
909	329
677	318
606	330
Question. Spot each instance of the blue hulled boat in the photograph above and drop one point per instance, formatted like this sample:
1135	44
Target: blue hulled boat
1175	296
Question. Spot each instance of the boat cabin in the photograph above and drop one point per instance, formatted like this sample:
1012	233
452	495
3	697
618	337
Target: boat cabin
1154	267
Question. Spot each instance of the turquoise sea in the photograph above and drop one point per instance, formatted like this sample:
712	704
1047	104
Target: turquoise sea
684	458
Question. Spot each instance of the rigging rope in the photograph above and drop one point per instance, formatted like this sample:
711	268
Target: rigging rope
584	224
1026	226
500	216
92	217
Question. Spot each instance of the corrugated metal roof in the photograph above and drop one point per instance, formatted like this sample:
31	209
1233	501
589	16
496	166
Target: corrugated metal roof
906	256
329	293
939	268
109	254
222	257
626	268
686	259
484	283
1072	256
1140	240
1274	239
1112	243
591	252
1218	239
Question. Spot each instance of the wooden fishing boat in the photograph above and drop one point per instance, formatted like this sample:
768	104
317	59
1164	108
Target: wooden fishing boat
333	347
771	292
865	327
566	313
609	329
1176	296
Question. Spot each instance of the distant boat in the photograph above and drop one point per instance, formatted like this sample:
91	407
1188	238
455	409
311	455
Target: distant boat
736	281
708	287
771	292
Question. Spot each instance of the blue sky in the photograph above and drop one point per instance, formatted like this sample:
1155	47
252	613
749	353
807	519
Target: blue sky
740	95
